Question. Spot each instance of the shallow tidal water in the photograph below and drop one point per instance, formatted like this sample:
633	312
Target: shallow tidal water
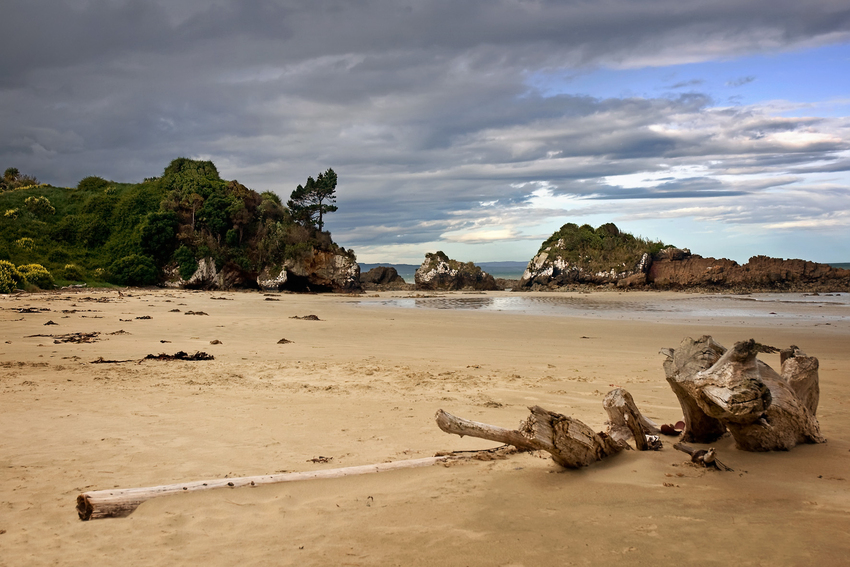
826	307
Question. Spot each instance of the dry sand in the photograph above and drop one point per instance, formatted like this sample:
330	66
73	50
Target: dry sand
362	386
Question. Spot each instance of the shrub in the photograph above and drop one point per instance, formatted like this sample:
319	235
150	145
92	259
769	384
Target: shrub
11	214
10	277
39	206
37	275
92	183
25	243
134	270
72	272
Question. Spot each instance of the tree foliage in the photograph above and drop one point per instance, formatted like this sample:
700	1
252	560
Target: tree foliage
310	202
128	233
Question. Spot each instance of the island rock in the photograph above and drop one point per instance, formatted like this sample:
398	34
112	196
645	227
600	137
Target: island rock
438	272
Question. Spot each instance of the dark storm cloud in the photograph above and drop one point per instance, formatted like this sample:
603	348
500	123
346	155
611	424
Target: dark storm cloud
424	107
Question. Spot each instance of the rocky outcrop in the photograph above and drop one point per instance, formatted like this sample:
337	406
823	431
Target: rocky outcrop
318	271
207	276
438	272
674	269
383	278
552	270
582	255
381	275
677	268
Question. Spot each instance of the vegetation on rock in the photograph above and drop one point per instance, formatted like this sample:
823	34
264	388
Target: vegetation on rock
598	250
126	234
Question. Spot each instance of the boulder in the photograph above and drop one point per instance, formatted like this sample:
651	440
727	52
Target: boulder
438	272
381	275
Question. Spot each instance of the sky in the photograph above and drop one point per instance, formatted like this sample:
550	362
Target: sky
476	127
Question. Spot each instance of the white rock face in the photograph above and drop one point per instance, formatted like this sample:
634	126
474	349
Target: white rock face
268	281
543	269
206	274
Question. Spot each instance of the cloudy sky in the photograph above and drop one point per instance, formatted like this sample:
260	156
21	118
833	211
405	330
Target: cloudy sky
473	126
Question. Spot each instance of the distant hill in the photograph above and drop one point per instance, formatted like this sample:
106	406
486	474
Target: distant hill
132	234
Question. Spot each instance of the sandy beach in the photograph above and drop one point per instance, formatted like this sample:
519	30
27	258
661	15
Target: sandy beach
360	386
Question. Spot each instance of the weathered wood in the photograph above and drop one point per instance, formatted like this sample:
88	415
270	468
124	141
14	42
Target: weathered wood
626	422
122	502
801	374
691	357
707	458
465	427
571	443
738	392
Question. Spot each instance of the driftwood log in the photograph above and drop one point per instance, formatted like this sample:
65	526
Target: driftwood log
626	422
732	390
122	502
571	443
707	458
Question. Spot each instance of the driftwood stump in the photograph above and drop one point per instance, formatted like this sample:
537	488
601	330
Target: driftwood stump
571	443
626	422
721	389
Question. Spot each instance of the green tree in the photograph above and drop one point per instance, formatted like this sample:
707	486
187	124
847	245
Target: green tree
159	231
310	202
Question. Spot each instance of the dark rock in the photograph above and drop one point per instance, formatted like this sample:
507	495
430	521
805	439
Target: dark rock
760	273
381	275
438	272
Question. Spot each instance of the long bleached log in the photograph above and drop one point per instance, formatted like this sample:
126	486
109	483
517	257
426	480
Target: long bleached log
121	502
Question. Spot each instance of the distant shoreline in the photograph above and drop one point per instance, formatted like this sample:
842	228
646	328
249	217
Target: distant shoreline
508	270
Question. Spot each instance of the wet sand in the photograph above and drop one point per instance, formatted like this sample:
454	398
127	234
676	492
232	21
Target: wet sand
361	386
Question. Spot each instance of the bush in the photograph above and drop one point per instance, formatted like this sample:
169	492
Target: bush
25	243
37	275
10	277
92	183
134	270
39	206
72	272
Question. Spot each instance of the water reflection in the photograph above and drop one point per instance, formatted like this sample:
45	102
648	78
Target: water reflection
522	304
824	307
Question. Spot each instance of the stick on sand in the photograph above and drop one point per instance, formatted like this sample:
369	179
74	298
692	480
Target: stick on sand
121	502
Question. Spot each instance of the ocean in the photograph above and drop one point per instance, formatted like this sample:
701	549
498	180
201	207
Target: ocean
506	270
